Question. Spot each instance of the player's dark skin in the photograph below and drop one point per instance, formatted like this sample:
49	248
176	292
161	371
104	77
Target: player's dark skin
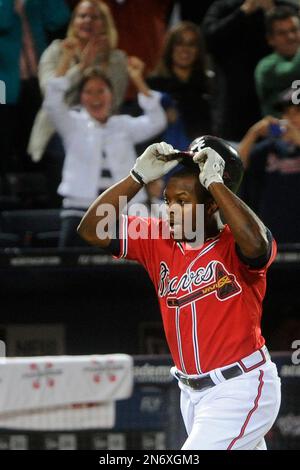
248	230
181	196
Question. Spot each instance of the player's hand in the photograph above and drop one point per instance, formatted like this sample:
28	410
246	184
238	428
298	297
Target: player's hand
155	162
211	166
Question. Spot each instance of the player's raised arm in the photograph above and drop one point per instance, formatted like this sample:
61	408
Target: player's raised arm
87	228
248	230
151	165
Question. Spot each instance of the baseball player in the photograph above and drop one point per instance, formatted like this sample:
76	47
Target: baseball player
210	293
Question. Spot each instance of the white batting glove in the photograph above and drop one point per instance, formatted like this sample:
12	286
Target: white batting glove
211	166
154	163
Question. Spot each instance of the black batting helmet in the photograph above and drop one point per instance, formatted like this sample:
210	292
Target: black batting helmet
234	170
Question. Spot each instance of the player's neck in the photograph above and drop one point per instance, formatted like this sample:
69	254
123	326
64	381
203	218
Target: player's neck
213	228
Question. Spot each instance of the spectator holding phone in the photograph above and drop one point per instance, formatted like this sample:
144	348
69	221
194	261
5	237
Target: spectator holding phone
270	151
235	36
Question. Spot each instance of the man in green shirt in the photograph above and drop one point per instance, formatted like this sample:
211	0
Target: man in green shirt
277	71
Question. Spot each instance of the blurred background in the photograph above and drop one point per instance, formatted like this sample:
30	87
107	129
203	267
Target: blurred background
229	68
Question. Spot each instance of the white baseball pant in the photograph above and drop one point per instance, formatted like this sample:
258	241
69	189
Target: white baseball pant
236	414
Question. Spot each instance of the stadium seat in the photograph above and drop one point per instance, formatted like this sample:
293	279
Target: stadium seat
33	228
30	189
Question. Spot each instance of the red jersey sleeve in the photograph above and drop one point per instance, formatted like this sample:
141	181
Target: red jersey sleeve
136	241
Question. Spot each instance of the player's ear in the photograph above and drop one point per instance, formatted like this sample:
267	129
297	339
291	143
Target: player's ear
211	206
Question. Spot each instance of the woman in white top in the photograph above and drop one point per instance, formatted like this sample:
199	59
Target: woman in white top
99	146
91	41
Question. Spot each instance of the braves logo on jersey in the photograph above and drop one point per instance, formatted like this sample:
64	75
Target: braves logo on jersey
213	279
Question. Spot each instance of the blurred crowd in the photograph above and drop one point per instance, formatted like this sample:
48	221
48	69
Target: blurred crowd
90	83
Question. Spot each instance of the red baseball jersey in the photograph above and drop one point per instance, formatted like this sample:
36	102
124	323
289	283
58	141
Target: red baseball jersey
210	301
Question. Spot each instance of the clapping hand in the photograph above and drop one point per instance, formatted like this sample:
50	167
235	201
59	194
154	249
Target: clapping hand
135	67
70	47
90	53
